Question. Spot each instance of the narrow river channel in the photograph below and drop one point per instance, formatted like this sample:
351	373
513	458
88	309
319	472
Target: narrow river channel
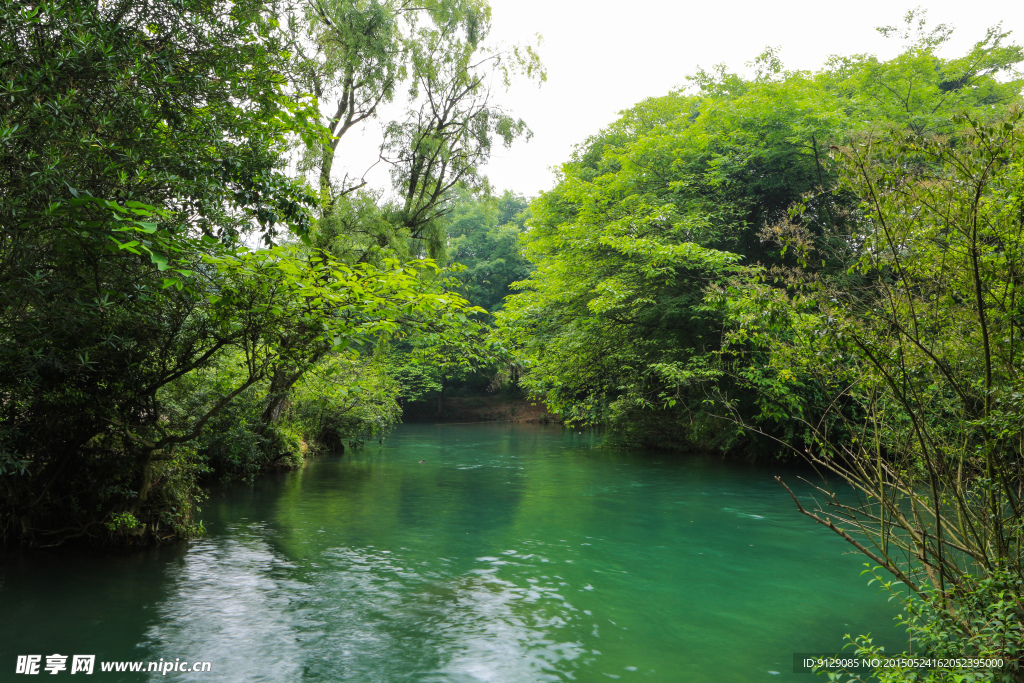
466	553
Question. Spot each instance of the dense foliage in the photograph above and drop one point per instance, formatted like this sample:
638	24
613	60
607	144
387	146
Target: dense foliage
484	237
359	56
928	346
688	193
108	113
823	265
142	156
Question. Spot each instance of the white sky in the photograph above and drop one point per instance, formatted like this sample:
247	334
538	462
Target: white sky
603	57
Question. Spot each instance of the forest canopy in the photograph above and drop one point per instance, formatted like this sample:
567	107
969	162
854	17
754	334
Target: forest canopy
689	193
175	304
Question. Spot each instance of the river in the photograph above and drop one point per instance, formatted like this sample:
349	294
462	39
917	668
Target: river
466	553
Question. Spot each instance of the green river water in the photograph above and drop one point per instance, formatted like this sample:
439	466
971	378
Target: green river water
510	554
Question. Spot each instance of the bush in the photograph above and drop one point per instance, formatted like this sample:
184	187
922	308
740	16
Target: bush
985	621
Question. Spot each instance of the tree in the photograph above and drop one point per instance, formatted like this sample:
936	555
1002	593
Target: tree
140	142
928	348
685	195
360	53
363	53
648	215
484	238
109	112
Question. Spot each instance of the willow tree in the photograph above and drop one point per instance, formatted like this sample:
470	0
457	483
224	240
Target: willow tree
434	67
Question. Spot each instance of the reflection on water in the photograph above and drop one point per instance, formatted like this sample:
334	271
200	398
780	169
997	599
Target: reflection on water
511	554
231	603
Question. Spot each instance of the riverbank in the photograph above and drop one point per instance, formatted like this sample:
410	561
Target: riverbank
481	408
